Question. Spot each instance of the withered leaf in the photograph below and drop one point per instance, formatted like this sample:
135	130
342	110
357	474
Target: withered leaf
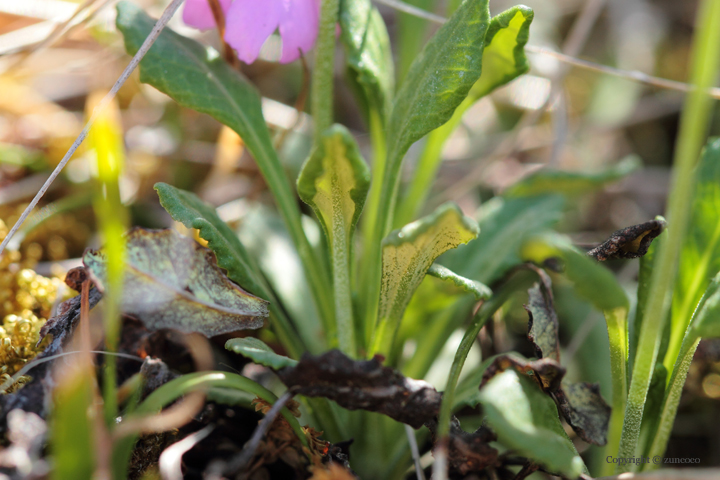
546	372
364	385
173	282
629	242
543	323
585	410
580	404
467	452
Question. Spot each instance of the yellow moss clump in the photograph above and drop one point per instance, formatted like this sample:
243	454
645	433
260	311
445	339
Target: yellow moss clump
26	301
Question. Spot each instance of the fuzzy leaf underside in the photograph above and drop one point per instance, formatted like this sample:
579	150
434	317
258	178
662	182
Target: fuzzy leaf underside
407	254
334	182
172	282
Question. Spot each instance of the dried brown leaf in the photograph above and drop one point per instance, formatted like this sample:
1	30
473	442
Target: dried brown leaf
629	242
364	385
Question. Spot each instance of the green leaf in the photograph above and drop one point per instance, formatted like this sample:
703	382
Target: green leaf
186	208
647	263
503	60
367	47
439	79
505	225
197	77
572	183
700	254
504	55
173	282
266	239
479	290
334	182
526	420
72	443
706	319
412	33
257	351
407	255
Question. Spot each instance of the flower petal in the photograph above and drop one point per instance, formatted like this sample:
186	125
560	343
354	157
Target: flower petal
197	13
249	24
298	27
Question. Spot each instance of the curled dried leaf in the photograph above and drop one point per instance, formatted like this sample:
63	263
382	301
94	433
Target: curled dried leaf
365	385
543	323
629	242
545	372
585	410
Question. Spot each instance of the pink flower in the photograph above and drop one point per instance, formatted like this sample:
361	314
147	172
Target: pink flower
250	22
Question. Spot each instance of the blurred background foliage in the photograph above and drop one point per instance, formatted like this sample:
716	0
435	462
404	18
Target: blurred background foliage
54	54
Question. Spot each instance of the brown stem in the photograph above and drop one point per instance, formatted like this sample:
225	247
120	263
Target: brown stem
219	17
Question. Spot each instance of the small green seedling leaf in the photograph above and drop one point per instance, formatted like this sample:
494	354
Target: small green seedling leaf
186	208
479	290
406	257
571	183
257	351
173	282
369	57
526	421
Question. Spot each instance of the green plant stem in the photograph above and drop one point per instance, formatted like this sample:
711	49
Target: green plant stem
322	79
368	313
428	165
618	338
486	311
693	127
672	398
439	329
183	385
